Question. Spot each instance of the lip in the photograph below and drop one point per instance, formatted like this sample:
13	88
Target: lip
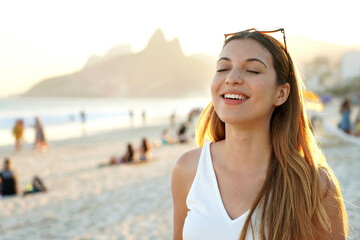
234	101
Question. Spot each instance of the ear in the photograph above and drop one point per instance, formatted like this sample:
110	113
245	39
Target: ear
282	94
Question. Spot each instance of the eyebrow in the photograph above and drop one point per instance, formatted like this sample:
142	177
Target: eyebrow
223	58
256	60
247	60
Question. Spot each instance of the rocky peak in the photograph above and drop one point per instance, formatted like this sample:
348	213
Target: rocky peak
158	43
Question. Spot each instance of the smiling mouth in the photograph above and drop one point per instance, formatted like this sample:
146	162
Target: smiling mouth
234	97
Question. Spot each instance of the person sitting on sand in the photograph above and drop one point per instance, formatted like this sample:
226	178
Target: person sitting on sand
165	138
36	186
145	150
129	156
8	179
182	133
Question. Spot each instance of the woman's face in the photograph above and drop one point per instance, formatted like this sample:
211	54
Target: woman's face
244	88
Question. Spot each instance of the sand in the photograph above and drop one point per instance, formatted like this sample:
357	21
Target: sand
125	201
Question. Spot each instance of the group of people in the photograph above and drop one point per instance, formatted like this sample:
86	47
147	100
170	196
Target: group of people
345	123
9	182
182	135
40	142
131	155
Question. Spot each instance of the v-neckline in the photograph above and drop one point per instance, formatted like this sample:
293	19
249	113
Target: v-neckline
219	197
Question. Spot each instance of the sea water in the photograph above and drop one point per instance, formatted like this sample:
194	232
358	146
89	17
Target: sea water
61	117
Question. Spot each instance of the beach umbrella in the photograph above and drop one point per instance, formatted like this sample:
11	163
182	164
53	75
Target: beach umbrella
313	101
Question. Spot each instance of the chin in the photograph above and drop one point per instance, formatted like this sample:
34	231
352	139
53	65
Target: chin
232	118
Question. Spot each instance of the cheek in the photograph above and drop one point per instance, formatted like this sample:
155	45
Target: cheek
215	85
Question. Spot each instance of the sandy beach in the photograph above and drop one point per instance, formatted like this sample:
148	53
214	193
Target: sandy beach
125	201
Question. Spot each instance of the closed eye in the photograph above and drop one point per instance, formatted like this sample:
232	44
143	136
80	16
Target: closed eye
252	71
222	70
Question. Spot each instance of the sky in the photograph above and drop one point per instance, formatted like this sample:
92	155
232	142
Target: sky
41	38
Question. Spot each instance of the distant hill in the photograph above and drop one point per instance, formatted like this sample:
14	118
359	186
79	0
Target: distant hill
160	70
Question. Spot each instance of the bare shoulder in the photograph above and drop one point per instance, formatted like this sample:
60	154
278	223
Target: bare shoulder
183	175
186	164
188	158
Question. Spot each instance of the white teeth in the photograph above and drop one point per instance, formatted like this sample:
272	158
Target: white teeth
235	96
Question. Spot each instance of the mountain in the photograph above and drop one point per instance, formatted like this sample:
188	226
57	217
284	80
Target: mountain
160	70
113	52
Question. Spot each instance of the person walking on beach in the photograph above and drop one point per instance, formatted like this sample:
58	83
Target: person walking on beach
131	117
18	131
40	139
262	175
143	115
8	179
83	121
345	123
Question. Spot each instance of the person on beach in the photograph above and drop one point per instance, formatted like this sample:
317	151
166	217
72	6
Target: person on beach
40	140
345	109
145	150
18	131
131	117
182	132
262	175
8	179
37	185
357	120
83	121
129	157
165	138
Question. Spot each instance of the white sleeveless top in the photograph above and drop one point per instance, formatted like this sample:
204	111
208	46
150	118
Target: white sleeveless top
207	217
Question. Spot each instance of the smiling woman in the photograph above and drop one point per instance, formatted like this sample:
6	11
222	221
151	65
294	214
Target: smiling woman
262	176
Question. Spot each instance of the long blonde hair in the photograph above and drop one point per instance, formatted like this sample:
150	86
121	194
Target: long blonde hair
292	196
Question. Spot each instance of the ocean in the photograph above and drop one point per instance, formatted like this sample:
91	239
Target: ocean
61	117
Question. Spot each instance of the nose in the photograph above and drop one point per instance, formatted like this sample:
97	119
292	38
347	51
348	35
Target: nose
234	77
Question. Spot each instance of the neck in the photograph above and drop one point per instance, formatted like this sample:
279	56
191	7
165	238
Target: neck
247	150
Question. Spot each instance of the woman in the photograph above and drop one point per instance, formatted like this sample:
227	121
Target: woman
145	150
345	123
40	140
18	131
263	175
129	156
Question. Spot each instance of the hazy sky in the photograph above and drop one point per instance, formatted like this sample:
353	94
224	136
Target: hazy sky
42	38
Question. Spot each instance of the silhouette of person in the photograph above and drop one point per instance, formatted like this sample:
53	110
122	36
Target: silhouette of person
83	121
172	120
345	123
37	185
131	116
165	138
18	131
182	132
143	114
40	140
145	150
129	156
8	179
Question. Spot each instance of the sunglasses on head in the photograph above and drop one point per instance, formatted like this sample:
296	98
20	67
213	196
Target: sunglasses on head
260	31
